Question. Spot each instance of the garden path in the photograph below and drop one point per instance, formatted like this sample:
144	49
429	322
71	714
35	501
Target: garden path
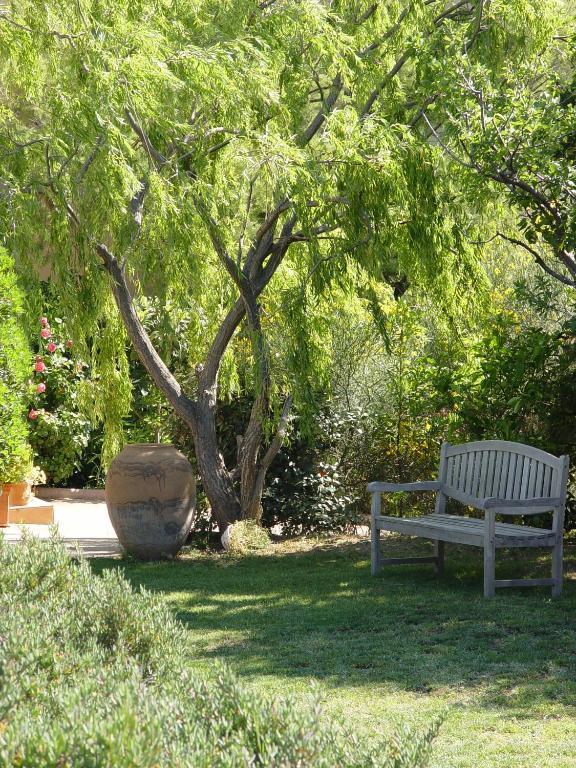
82	524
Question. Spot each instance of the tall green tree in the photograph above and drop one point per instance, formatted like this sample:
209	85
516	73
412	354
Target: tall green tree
519	139
240	157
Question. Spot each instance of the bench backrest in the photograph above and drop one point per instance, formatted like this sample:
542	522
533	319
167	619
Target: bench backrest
501	469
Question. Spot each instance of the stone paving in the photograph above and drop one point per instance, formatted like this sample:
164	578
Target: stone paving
82	524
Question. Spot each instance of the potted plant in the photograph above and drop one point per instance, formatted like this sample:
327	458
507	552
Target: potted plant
14	468
21	490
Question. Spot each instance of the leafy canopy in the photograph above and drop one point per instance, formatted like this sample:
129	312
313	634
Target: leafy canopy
165	128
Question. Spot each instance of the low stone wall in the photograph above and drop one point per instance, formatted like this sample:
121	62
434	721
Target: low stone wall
70	494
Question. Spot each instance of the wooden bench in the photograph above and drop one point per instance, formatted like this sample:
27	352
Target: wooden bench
498	478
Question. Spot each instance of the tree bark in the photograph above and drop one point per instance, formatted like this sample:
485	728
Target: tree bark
216	479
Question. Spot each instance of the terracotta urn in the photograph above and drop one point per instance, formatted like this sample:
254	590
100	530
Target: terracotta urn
151	499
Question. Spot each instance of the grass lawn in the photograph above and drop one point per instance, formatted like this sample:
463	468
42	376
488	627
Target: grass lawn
395	648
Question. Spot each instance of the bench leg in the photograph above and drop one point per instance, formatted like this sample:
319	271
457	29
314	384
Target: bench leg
489	553
489	571
375	535
439	553
557	569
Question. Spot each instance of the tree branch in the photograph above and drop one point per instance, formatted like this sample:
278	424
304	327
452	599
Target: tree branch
328	105
209	372
368	13
252	506
90	159
153	153
367	108
445	147
150	358
276	443
49	33
388	34
401	61
539	260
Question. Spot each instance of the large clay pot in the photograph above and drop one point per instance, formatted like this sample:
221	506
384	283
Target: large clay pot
151	499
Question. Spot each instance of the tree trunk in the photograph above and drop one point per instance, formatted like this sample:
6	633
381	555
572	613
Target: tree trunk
216	479
219	484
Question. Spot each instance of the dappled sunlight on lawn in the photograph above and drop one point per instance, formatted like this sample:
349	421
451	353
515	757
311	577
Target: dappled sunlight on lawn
405	643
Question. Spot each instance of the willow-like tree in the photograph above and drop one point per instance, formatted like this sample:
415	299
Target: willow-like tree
519	138
244	157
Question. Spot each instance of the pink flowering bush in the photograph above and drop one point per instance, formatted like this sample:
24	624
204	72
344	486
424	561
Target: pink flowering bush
59	431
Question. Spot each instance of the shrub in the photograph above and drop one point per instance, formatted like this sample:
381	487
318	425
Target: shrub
93	673
247	536
521	388
59	430
307	490
15	367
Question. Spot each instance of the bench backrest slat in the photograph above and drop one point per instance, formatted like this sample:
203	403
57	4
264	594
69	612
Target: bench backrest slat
501	469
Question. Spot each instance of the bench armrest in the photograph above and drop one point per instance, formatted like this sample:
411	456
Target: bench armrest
429	485
520	506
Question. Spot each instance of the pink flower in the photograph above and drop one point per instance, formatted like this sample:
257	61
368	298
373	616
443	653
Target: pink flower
43	321
41	387
51	347
69	343
32	414
39	365
45	333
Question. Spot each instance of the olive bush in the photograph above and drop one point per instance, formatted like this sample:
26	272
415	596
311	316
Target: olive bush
93	673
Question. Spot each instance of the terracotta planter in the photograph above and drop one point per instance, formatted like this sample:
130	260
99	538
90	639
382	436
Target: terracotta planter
4	496
151	499
20	494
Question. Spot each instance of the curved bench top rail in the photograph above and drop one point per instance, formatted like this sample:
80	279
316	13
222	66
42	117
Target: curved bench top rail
503	445
500	469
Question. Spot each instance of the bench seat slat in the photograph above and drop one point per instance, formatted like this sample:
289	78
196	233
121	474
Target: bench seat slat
430	530
527	530
466	530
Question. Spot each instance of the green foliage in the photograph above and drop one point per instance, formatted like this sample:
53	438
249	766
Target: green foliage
15	367
520	387
518	137
307	490
94	673
507	374
107	395
226	100
59	439
210	145
386	391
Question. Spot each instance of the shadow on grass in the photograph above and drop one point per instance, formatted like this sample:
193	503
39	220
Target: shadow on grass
319	614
